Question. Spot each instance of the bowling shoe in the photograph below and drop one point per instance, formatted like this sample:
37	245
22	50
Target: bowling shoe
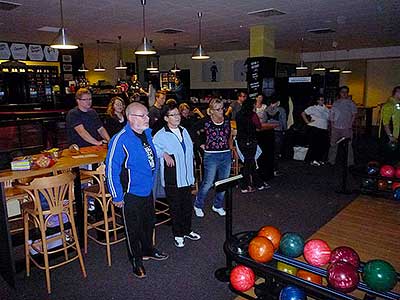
198	212
179	242
192	236
219	211
139	271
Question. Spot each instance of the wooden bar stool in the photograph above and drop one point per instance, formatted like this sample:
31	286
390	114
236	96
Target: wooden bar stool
108	224
56	195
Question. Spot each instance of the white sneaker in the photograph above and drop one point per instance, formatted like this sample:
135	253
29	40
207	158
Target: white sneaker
219	211
192	236
179	242
199	212
315	163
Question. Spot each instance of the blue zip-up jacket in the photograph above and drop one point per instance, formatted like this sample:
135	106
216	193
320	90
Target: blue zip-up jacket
166	141
127	167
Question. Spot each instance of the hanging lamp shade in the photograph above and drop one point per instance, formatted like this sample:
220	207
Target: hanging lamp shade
319	67
99	67
301	66
175	68
347	71
334	69
121	65
152	67
145	48
61	40
200	53
83	68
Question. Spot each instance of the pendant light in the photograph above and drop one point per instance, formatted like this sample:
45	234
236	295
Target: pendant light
145	48
152	67
175	67
302	66
319	67
200	53
99	67
347	70
121	65
335	68
83	68
61	40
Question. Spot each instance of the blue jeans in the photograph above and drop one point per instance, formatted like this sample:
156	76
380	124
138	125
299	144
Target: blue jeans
217	166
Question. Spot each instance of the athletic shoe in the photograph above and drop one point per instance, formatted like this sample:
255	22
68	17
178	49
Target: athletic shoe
139	272
220	211
315	163
156	255
267	186
248	190
179	242
192	236
198	212
277	173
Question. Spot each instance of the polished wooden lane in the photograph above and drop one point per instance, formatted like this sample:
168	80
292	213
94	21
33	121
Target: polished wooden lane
88	155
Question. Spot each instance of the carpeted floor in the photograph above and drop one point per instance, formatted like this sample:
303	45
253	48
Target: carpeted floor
301	200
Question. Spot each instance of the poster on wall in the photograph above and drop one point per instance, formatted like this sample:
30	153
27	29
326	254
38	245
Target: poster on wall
67	58
5	52
35	52
212	71
239	70
50	54
19	51
67	67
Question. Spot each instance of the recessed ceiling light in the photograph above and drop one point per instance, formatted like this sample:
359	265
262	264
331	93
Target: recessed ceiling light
49	29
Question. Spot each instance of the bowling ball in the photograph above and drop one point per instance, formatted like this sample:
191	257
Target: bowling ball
373	168
272	233
397	172
395	185
396	194
368	183
343	277
242	278
261	249
387	171
379	275
317	252
345	254
292	244
292	292
286	268
382	185
309	276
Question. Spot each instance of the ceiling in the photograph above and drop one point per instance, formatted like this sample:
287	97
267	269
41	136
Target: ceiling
358	23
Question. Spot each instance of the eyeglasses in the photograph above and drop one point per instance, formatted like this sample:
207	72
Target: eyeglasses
141	116
85	99
218	109
174	115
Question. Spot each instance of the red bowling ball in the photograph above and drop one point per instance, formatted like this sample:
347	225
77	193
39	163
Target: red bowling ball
387	171
317	252
242	278
395	185
345	254
397	173
343	277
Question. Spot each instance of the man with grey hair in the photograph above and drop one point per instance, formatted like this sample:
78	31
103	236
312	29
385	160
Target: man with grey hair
131	167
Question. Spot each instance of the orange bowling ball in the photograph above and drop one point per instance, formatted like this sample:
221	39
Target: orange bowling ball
261	249
309	276
272	233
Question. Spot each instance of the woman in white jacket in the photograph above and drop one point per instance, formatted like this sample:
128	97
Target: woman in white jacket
175	151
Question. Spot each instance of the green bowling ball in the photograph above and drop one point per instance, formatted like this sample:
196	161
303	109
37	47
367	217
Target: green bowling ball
379	275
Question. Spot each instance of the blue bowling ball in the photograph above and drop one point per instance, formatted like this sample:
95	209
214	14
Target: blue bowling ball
396	194
292	292
292	244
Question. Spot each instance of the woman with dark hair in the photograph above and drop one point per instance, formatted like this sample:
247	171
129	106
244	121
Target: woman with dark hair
318	131
175	149
115	116
247	123
260	108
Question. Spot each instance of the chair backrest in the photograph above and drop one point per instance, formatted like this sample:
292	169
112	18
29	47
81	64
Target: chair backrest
53	194
99	178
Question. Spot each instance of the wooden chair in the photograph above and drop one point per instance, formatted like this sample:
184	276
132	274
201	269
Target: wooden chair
58	193
108	224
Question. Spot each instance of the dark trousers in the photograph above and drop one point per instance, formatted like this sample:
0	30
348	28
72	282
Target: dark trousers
138	214
319	144
249	173
266	140
180	206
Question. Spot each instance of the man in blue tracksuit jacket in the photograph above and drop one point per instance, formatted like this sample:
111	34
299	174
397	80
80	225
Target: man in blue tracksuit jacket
131	165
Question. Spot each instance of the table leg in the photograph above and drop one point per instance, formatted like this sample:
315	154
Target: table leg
78	204
7	264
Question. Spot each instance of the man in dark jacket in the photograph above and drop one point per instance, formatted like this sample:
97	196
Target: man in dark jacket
131	166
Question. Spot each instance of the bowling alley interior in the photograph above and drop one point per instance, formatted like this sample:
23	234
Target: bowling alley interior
260	137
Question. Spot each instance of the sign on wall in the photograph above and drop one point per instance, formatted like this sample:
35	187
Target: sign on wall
33	52
5	52
212	71
19	51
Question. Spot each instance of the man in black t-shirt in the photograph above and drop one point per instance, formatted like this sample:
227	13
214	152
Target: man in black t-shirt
84	126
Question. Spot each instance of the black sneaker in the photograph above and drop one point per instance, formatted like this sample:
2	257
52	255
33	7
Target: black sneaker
156	255
139	271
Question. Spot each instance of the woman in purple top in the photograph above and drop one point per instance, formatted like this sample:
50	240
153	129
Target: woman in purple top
217	159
